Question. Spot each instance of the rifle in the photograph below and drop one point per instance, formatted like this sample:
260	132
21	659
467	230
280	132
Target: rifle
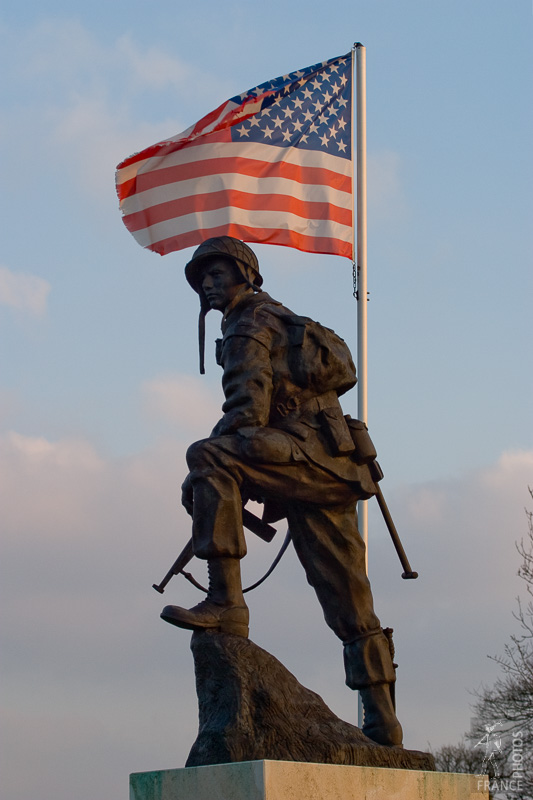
267	533
249	520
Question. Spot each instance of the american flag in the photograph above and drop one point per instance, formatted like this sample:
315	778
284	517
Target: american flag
272	165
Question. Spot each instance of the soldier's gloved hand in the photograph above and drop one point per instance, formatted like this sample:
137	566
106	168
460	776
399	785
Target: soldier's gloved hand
187	495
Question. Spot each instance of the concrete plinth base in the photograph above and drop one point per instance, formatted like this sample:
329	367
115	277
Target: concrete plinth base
290	780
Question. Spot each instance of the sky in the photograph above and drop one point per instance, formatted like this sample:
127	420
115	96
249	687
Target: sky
99	386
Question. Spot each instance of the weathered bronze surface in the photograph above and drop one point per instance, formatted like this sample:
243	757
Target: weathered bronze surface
284	441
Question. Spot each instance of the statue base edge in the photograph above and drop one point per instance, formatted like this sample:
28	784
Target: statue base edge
278	780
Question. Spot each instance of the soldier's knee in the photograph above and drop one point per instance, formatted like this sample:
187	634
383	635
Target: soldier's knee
213	454
198	453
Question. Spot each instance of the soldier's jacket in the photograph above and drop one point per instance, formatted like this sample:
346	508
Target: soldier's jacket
257	384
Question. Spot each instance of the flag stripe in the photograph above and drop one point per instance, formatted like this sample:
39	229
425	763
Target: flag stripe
221	165
201	149
286	238
233	182
236	199
268	220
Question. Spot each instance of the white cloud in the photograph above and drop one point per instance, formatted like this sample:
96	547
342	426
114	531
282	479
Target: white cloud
47	485
40	451
152	67
94	100
506	474
184	401
24	292
68	51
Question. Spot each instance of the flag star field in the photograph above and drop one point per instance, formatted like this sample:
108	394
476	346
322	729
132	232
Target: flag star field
309	109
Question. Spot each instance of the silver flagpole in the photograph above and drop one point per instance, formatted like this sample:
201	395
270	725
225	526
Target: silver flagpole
362	384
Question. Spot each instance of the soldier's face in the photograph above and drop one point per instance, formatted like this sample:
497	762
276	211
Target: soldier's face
221	283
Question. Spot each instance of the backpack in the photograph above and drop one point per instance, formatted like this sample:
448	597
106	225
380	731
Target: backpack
318	359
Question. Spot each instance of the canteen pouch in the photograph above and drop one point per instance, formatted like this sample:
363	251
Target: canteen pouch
364	451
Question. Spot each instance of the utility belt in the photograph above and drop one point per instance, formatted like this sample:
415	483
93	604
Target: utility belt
346	436
301	404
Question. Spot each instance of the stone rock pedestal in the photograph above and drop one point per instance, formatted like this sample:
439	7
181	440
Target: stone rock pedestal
252	708
292	780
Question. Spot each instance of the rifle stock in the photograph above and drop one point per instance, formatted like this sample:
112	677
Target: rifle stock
262	529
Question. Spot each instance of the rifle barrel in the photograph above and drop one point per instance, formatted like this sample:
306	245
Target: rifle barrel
408	572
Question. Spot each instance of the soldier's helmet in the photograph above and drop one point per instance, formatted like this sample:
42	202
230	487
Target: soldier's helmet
243	257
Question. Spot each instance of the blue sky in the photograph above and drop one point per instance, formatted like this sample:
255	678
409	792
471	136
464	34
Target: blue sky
99	391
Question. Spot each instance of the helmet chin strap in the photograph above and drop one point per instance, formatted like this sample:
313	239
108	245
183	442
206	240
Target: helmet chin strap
249	279
201	340
204	308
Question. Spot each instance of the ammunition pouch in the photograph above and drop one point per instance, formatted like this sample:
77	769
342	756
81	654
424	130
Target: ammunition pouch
333	426
348	436
364	451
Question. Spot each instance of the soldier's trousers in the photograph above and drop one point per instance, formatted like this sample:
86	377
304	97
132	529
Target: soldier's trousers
322	517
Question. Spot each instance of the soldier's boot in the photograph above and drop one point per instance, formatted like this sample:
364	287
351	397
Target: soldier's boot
224	608
369	666
380	721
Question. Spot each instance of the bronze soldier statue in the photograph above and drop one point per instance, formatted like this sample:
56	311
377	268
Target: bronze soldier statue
282	440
